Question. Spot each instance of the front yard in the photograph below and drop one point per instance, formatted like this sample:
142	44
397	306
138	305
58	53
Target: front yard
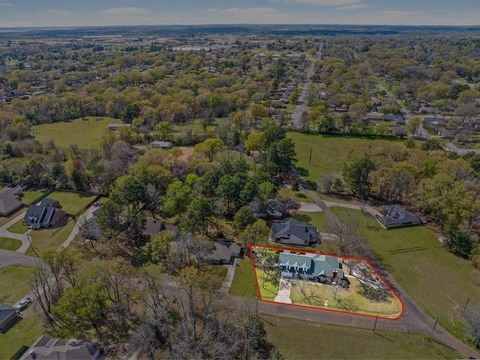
47	239
14	283
9	243
337	298
244	281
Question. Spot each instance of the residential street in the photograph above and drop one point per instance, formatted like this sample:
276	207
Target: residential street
8	258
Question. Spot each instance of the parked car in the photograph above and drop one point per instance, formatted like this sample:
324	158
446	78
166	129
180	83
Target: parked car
24	304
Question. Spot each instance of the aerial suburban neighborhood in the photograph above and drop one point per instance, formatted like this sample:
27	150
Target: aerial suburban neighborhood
206	180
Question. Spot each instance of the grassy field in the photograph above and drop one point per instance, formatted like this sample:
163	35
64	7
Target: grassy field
329	153
23	333
72	203
297	339
14	283
297	196
440	282
84	133
244	281
52	238
9	244
343	299
29	197
18	228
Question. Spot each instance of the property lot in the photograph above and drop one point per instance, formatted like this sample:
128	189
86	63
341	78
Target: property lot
47	239
14	283
244	281
83	132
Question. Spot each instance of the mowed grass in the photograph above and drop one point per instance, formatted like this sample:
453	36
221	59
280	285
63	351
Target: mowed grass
29	197
323	296
268	289
243	283
329	153
298	339
18	228
9	243
440	282
14	283
72	203
84	133
23	333
48	239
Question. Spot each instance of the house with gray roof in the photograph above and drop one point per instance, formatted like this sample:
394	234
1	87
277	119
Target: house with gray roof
8	316
10	200
394	216
50	348
294	232
313	267
223	253
44	215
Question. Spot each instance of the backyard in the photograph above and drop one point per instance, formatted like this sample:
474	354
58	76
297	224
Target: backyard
72	203
244	281
83	132
14	283
31	196
338	342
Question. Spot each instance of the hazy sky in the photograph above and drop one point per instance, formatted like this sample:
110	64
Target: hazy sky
144	12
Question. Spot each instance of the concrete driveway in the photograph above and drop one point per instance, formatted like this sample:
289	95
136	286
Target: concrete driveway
284	289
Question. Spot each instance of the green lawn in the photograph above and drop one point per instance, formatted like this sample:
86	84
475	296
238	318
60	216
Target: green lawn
320	295
52	238
29	197
297	196
9	243
18	228
72	203
268	288
440	282
23	333
244	281
14	283
84	133
329	153
297	339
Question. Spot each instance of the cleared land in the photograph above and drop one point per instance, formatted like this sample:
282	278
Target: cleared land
14	283
18	228
84	133
329	153
72	203
325	296
297	339
440	282
22	334
9	244
244	281
52	238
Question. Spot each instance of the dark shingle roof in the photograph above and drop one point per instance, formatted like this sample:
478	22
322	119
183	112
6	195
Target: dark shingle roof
9	201
223	252
43	214
292	231
397	215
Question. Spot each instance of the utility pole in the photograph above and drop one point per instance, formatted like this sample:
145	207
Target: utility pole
375	324
310	161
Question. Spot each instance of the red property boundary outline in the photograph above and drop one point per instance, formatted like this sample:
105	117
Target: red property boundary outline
252	246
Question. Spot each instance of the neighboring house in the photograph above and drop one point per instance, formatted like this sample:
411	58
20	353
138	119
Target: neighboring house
50	348
44	215
10	200
294	232
223	253
161	144
394	216
310	267
8	316
115	127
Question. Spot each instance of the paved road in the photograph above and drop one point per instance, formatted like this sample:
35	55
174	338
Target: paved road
307	86
414	319
87	215
8	258
22	237
227	282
